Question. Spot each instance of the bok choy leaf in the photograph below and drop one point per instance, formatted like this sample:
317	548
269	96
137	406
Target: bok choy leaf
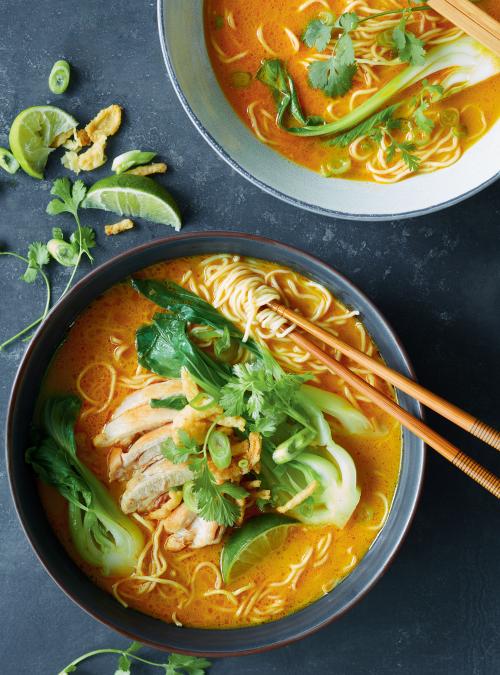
101	533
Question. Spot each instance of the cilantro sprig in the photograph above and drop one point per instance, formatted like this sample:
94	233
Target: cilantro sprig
263	395
66	253
215	502
36	260
335	75
431	93
69	199
176	664
409	48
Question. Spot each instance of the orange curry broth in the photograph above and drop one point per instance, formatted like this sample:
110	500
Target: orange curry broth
119	312
274	16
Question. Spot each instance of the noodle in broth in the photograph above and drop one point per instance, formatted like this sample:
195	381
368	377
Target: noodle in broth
99	362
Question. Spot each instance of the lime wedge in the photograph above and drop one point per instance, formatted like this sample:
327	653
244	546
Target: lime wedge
250	544
32	133
129	195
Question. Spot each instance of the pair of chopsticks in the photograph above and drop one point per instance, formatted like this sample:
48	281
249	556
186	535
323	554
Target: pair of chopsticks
471	19
474	426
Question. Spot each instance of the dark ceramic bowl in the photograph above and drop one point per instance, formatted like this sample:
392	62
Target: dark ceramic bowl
52	555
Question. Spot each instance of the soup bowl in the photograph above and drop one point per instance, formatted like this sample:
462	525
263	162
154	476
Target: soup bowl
196	85
66	573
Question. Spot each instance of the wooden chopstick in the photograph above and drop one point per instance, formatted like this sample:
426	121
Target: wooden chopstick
444	408
469	466
471	19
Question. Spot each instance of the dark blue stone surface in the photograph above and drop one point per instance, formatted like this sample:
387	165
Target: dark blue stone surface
437	279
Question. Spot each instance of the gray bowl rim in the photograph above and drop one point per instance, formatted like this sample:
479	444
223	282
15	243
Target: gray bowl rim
331	213
159	250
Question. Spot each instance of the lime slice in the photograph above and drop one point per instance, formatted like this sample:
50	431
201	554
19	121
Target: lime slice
249	545
32	133
129	195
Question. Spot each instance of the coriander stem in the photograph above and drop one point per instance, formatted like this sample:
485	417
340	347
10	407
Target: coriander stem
45	310
80	254
72	276
123	652
394	11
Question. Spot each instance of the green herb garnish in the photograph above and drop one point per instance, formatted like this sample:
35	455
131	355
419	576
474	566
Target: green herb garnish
69	200
430	94
211	499
36	259
335	76
176	664
409	48
177	402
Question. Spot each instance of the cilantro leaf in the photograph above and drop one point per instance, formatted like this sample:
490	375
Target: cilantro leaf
409	48
57	233
213	505
421	120
430	94
182	451
38	254
78	193
84	238
175	402
369	126
317	34
348	21
190	665
37	257
406	149
124	665
335	76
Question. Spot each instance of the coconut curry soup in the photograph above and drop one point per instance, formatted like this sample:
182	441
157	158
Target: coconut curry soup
367	89
198	465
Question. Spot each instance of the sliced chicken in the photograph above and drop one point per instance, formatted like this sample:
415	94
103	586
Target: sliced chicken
142	396
132	422
179	519
194	422
145	451
198	534
173	501
143	489
205	533
179	540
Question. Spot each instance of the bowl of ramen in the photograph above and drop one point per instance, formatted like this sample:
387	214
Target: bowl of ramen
181	468
361	109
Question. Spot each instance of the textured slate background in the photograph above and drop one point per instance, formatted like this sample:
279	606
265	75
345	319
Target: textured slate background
435	278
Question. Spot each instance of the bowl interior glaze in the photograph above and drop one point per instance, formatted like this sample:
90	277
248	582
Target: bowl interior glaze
195	83
66	574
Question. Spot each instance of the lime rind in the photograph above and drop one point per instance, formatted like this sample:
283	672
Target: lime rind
32	133
250	544
136	196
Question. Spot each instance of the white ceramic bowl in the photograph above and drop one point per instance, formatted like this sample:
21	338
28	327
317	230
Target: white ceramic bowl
189	68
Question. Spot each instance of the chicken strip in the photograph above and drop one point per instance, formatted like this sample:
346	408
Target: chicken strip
197	534
179	519
147	449
132	422
142	453
143	489
142	396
